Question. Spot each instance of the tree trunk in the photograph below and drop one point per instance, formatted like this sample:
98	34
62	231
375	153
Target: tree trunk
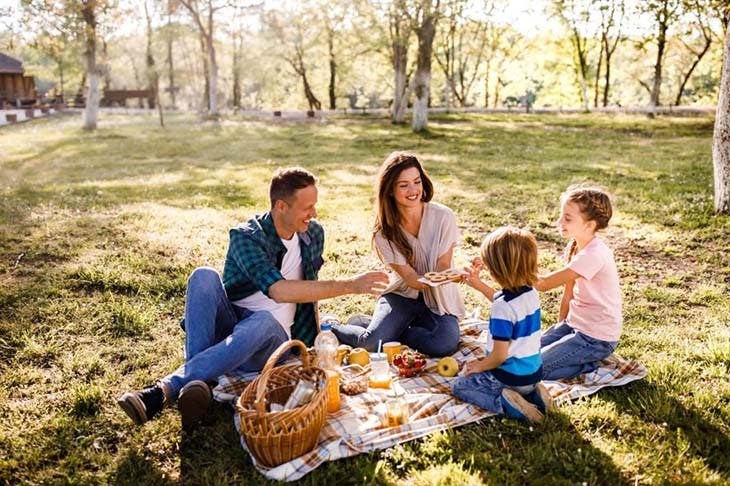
721	138
399	34
206	75
661	45
607	77
486	83
151	71
213	87
422	78
91	111
400	93
596	87
700	55
314	103
171	72
333	68
236	80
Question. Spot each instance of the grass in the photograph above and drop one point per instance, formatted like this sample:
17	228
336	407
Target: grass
99	231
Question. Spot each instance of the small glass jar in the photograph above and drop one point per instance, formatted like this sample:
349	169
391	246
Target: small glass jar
396	408
380	371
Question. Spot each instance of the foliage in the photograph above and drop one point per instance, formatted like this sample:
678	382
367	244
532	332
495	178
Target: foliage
99	231
498	43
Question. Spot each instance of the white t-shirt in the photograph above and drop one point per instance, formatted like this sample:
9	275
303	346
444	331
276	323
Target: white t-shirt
595	308
291	269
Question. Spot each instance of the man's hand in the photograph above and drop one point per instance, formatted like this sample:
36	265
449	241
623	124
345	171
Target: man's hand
369	283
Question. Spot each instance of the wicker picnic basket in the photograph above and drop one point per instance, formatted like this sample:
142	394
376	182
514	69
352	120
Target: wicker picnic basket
278	437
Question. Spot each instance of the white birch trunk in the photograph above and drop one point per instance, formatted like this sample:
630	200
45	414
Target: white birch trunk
421	92
91	111
721	138
400	97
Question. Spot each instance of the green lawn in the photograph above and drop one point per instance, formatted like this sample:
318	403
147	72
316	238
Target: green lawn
98	232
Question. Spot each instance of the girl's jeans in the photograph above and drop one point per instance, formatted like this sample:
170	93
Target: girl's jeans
567	353
219	336
410	321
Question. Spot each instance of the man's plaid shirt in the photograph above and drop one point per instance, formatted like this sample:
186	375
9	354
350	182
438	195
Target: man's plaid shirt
253	263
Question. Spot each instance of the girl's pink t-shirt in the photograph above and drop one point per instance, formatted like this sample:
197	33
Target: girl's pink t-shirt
595	309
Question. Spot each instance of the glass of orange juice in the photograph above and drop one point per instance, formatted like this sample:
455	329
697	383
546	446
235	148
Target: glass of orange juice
391	349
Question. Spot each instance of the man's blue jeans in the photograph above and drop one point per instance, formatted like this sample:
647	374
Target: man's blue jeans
567	353
410	321
219	336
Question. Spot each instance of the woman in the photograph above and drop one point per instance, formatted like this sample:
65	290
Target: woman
412	236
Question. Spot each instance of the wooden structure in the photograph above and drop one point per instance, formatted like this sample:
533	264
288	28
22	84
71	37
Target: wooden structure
16	89
119	97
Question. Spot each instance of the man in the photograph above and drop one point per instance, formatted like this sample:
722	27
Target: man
267	296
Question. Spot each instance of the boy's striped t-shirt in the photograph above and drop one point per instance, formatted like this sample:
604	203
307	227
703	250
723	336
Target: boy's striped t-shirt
515	318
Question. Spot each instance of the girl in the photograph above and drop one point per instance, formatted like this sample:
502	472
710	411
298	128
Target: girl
507	380
590	313
413	236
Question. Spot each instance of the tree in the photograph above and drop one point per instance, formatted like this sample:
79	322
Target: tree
152	75
80	19
721	138
293	31
664	13
576	15
424	20
612	16
701	12
203	14
462	47
332	15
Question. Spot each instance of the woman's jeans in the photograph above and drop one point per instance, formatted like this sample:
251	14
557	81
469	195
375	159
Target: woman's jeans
219	336
410	321
567	353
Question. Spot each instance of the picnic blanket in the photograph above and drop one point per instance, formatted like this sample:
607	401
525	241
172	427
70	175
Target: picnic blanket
357	427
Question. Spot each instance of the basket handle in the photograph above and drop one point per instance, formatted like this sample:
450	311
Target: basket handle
269	366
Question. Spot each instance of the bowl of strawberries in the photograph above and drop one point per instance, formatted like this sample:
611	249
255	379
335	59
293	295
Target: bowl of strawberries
409	363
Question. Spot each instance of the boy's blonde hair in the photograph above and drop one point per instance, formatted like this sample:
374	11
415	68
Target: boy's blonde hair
510	255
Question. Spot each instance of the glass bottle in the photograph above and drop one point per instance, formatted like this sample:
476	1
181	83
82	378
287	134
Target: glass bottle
325	347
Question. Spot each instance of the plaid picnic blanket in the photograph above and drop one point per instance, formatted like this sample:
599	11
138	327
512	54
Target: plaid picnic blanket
357	427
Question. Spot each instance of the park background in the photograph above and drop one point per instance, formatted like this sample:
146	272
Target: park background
100	227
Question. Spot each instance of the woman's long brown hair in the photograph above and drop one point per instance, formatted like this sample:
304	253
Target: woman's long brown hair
387	217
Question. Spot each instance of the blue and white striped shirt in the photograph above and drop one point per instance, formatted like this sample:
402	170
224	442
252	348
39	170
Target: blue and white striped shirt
515	318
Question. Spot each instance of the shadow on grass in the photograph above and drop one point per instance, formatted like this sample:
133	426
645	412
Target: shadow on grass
134	468
495	450
656	405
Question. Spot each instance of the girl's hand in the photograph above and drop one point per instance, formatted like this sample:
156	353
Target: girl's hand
478	263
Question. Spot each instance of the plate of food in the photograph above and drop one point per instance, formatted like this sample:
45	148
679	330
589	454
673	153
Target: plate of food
409	363
434	279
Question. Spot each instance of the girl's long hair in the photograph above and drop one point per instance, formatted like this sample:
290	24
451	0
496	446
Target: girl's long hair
387	217
595	205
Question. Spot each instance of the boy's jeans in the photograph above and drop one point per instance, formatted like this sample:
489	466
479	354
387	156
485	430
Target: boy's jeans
219	336
567	353
485	391
410	321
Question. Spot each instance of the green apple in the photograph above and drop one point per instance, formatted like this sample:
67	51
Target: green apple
447	367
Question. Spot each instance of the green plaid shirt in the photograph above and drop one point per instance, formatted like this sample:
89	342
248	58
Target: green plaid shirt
253	263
